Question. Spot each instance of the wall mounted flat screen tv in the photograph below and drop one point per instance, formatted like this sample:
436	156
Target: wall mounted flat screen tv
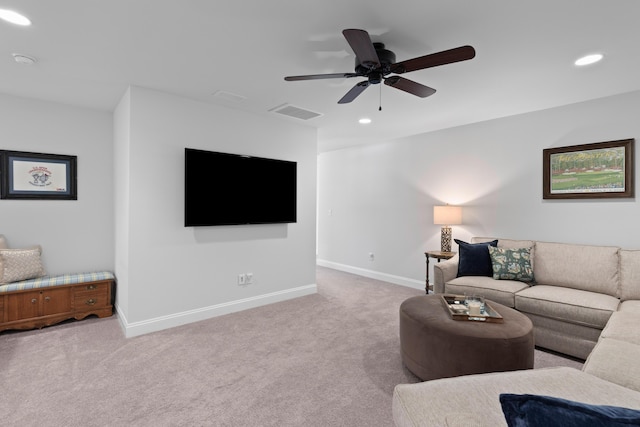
232	189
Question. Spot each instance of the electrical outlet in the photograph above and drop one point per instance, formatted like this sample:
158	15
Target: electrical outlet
242	279
249	277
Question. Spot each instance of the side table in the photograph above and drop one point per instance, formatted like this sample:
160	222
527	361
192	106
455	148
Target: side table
439	255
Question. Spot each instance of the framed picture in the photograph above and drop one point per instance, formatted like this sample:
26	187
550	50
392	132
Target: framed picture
589	171
37	176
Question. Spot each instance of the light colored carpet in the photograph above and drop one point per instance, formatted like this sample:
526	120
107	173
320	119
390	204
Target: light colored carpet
330	359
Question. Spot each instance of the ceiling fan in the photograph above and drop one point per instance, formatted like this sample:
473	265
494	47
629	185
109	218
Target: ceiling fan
375	63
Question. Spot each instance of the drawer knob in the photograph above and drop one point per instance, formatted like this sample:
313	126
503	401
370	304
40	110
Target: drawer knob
91	287
90	301
34	300
47	298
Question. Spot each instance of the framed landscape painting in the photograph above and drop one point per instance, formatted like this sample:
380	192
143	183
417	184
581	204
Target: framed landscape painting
589	171
26	175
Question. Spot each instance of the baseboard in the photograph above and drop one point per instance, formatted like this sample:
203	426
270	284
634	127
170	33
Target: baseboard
397	280
165	322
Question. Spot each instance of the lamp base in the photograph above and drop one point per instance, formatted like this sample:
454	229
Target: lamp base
445	239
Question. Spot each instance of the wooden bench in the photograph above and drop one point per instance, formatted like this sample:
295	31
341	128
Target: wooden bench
36	303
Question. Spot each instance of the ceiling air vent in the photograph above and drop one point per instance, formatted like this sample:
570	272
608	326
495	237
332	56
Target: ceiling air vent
228	96
295	112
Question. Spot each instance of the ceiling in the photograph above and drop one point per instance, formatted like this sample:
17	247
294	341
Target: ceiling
89	51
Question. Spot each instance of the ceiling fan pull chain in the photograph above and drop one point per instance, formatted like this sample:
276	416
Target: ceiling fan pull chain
380	107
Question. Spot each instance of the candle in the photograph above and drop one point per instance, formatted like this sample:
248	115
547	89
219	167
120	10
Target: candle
474	308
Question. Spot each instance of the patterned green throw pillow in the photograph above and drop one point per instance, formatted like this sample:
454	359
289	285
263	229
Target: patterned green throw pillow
511	264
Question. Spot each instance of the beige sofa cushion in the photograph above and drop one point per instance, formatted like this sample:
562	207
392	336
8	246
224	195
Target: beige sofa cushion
448	402
629	275
623	325
505	243
630	305
500	291
590	268
616	361
568	305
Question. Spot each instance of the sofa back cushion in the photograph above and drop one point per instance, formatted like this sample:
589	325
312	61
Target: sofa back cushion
629	275
505	243
589	268
510	244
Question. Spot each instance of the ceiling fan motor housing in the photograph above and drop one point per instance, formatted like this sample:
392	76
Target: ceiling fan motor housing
386	58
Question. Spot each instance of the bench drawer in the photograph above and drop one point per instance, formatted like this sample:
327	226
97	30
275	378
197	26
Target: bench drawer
88	300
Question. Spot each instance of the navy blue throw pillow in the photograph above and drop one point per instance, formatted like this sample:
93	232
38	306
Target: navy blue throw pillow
528	410
474	258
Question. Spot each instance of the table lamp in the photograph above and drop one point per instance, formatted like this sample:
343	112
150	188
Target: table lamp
446	216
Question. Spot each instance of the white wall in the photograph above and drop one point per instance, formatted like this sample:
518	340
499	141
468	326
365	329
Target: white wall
170	274
380	198
121	206
75	235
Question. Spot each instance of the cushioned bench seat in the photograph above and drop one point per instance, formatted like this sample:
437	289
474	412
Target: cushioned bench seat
63	279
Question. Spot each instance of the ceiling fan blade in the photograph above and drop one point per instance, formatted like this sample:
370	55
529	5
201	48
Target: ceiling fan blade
450	56
321	76
362	46
354	92
409	86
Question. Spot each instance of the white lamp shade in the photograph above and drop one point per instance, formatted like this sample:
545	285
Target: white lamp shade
447	215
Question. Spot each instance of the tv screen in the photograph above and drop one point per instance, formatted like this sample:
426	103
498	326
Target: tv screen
233	189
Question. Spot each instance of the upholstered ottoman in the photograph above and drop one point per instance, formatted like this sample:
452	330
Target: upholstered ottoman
433	345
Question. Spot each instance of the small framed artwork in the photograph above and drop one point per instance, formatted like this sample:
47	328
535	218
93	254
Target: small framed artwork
37	176
589	171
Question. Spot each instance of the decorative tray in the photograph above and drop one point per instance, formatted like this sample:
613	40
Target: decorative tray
458	311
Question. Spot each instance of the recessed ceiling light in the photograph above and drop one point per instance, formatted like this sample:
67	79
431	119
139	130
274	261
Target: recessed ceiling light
364	121
24	59
588	59
14	17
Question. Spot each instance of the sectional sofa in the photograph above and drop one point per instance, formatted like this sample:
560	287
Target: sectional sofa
583	301
575	289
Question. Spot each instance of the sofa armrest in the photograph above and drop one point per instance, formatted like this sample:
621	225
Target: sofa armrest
443	272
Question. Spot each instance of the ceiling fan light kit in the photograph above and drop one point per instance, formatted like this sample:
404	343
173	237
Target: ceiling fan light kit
374	62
